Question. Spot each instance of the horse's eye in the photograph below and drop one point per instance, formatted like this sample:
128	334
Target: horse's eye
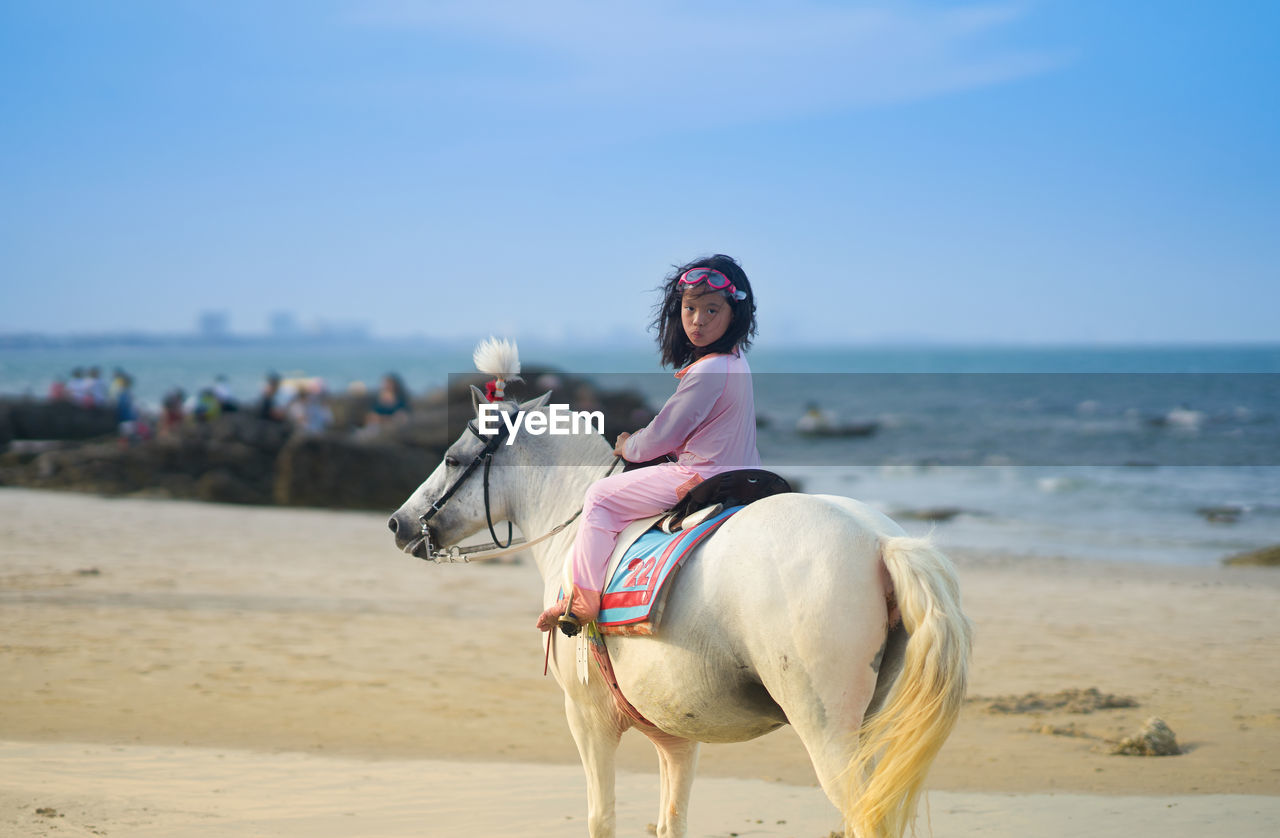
451	461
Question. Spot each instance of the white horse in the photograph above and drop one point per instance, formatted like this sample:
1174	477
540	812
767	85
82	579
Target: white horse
810	610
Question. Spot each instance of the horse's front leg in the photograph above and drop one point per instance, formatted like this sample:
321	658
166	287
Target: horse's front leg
597	731
677	762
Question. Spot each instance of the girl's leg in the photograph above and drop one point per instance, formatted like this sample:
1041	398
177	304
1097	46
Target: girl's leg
610	505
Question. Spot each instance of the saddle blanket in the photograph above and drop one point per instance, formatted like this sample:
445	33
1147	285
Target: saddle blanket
634	595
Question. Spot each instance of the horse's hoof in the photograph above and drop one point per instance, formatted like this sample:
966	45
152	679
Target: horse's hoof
569	625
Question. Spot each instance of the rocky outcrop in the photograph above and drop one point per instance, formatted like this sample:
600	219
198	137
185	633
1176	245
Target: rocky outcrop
230	460
344	473
239	458
1265	557
39	419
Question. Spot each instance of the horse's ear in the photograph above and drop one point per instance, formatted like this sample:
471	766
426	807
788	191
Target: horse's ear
539	402
477	398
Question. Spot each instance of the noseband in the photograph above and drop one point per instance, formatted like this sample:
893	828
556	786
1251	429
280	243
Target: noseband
491	443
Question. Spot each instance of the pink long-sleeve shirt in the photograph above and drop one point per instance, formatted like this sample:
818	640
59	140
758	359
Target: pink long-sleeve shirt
709	423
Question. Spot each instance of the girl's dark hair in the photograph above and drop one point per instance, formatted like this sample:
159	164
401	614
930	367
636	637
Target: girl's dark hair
674	344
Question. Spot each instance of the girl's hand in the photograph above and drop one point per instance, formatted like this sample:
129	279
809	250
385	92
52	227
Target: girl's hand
619	448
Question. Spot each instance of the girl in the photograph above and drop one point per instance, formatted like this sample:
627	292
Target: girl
705	323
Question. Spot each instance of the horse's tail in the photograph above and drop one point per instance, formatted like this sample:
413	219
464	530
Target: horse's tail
898	743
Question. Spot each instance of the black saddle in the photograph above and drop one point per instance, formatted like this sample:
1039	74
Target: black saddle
730	488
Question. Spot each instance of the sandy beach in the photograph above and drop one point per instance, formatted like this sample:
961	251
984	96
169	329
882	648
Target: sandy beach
185	669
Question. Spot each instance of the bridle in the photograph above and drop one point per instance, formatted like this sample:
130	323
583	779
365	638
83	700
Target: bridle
481	551
485	457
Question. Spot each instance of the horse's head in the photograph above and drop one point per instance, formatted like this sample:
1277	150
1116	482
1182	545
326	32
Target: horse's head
451	504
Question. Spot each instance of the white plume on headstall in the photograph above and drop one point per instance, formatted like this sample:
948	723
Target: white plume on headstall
498	357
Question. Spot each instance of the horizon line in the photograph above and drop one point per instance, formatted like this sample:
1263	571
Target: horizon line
45	340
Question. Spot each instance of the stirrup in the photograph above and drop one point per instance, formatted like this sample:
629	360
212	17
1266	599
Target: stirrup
569	625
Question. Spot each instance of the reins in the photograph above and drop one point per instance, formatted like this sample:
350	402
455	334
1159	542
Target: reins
488	518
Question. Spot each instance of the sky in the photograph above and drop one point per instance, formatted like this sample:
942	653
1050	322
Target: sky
1047	171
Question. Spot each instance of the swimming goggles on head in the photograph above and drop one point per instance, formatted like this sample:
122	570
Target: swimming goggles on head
715	279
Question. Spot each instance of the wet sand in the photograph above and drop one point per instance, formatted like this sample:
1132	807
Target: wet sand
155	641
159	792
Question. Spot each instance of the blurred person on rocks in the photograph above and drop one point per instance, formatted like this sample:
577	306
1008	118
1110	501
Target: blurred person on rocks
118	378
127	417
391	406
172	413
78	386
58	390
96	390
207	407
268	406
309	411
222	390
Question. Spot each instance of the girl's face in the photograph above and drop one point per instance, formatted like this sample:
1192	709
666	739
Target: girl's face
705	315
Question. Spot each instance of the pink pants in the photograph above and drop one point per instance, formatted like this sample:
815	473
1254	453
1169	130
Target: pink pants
614	502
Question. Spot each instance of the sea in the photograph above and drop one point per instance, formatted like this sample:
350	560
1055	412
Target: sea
1157	455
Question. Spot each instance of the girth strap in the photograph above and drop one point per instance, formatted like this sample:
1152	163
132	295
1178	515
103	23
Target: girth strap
601	654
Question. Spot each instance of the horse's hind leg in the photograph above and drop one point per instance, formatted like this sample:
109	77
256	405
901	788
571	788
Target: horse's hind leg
825	686
677	762
828	727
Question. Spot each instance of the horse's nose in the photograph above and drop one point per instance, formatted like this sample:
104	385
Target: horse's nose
406	529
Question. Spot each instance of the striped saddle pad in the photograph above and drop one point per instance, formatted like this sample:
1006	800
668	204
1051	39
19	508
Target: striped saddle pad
636	591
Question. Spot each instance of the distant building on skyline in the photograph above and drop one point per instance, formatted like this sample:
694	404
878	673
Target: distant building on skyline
214	325
283	324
